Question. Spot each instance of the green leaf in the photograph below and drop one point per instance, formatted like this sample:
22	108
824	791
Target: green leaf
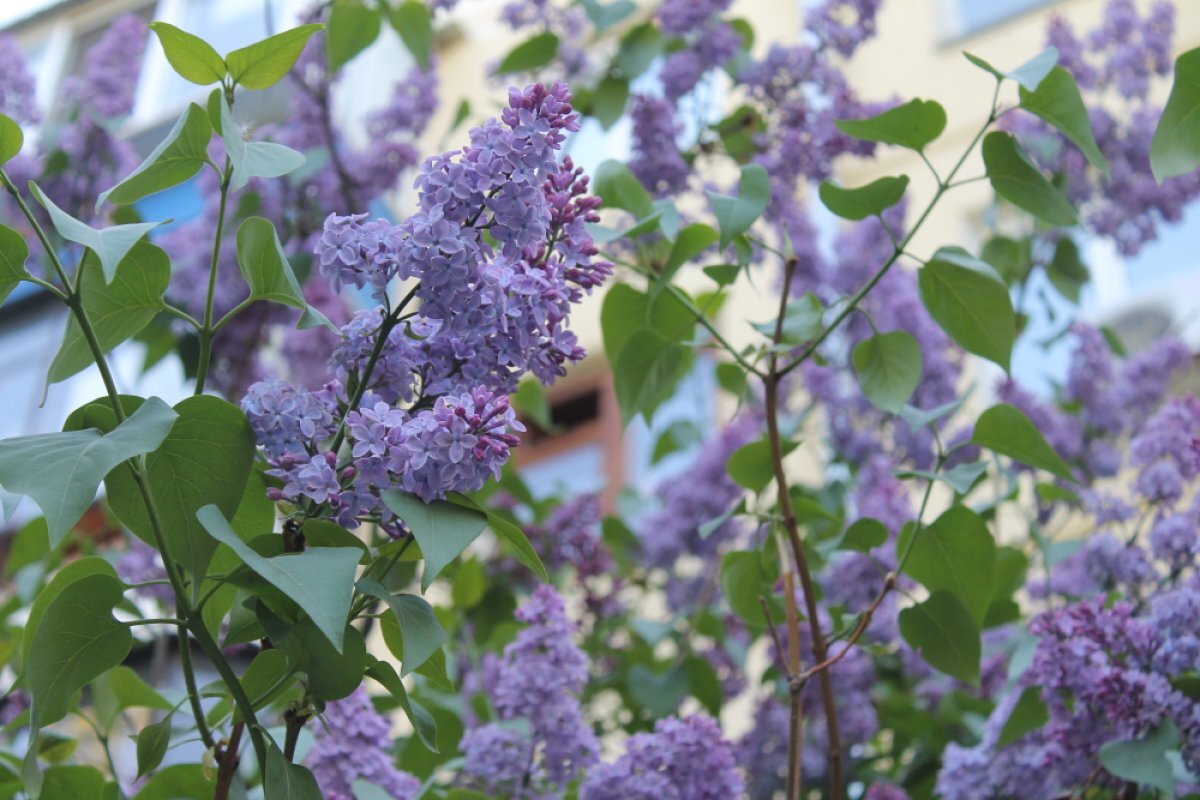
506	530
329	674
889	368
110	245
422	721
802	321
442	529
609	99
178	782
413	22
955	553
1027	715
262	679
1011	258
352	27
638	50
1058	102
866	201
618	188
286	781
1017	180
75	641
960	478
12	139
913	125
263	264
690	243
743	581
735	215
1144	761
604	16
152	742
1175	149
263	64
626	310
205	459
320	580
1007	431
1029	75
62	471
119	689
422	633
254	159
531	54
1066	269
13	255
970	302
751	465
646	372
189	55
176	159
73	780
531	403
117	310
945	634
863	535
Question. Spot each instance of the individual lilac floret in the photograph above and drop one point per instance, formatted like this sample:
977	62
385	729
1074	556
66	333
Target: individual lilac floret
350	744
18	89
683	759
538	680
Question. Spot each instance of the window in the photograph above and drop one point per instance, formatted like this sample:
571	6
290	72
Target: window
963	18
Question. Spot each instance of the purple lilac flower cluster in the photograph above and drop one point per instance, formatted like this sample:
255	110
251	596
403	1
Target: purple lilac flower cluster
500	253
537	680
570	537
568	21
18	89
350	744
1115	65
683	759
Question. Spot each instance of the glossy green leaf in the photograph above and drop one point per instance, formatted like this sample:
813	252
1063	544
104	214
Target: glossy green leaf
531	54
1175	149
116	310
420	718
423	634
646	373
179	782
286	781
189	55
1015	178
263	64
176	159
12	139
1004	429
618	188
76	640
865	201
152	743
913	125
442	529
1057	100
62	471
751	465
1027	715
889	368
263	264
413	22
320	580
942	630
353	26
1029	75
110	245
1144	761
205	459
955	553
735	215
254	159
970	302
689	244
13	255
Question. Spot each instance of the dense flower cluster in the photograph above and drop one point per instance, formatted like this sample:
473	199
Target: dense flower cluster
18	89
492	308
1119	59
537	680
683	759
350	745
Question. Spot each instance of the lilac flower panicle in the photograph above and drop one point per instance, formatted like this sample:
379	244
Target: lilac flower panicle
683	759
18	89
109	77
656	160
350	744
843	24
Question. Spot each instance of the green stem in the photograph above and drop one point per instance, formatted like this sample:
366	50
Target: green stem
153	621
206	328
189	679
